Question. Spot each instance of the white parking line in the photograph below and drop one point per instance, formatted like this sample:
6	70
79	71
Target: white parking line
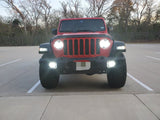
139	82
34	87
10	62
153	58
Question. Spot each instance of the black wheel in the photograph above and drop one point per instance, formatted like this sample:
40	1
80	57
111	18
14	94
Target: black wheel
117	75
49	78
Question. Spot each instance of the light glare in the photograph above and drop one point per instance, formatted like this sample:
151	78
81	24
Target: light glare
58	44
111	64
53	65
121	47
43	49
104	43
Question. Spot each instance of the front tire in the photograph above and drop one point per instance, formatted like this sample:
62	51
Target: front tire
117	75
49	78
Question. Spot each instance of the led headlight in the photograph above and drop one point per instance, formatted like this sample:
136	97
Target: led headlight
121	47
58	44
43	49
104	43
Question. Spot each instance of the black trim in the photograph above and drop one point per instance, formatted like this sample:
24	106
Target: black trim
114	50
81	36
97	47
76	47
81	46
66	65
86	46
70	47
65	47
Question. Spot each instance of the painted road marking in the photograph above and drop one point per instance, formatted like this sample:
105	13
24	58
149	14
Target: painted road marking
136	80
10	62
153	58
139	82
34	87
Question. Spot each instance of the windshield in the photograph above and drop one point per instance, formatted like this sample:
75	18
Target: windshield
84	25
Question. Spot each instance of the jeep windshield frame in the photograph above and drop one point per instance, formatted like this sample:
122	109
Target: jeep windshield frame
82	25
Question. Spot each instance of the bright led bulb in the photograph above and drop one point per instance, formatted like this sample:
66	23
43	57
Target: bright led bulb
111	64
58	44
52	65
43	49
121	47
104	43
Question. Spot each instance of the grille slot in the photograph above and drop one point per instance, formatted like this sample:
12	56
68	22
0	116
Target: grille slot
76	47
81	46
65	47
97	47
92	47
85	47
70	47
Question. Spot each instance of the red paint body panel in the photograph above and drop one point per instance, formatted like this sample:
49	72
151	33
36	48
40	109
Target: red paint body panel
103	52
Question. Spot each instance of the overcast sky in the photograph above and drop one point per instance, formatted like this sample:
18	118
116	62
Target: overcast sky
54	3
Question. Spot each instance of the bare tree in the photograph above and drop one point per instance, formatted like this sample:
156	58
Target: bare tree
139	10
150	10
36	10
54	18
31	8
71	9
121	10
14	7
157	17
45	12
98	8
64	6
144	11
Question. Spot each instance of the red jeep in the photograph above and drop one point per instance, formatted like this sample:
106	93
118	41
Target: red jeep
83	46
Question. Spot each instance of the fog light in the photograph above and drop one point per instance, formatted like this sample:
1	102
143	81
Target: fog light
111	64
53	65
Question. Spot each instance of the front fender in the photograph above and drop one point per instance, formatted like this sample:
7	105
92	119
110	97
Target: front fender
118	46
45	48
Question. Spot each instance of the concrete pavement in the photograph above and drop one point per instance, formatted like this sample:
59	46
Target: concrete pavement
81	107
79	96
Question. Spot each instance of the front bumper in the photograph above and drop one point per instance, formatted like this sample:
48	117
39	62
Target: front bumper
68	65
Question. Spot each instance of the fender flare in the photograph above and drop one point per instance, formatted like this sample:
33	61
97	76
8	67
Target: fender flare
114	50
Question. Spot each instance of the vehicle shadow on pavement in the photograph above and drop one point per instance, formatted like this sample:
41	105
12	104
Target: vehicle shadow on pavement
82	83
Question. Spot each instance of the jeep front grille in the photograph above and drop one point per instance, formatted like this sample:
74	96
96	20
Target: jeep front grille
81	47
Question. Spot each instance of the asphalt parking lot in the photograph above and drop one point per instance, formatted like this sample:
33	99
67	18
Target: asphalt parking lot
79	97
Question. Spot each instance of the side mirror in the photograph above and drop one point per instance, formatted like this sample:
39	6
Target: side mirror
54	31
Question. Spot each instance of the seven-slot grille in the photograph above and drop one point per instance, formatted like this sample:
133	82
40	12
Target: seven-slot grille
81	46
